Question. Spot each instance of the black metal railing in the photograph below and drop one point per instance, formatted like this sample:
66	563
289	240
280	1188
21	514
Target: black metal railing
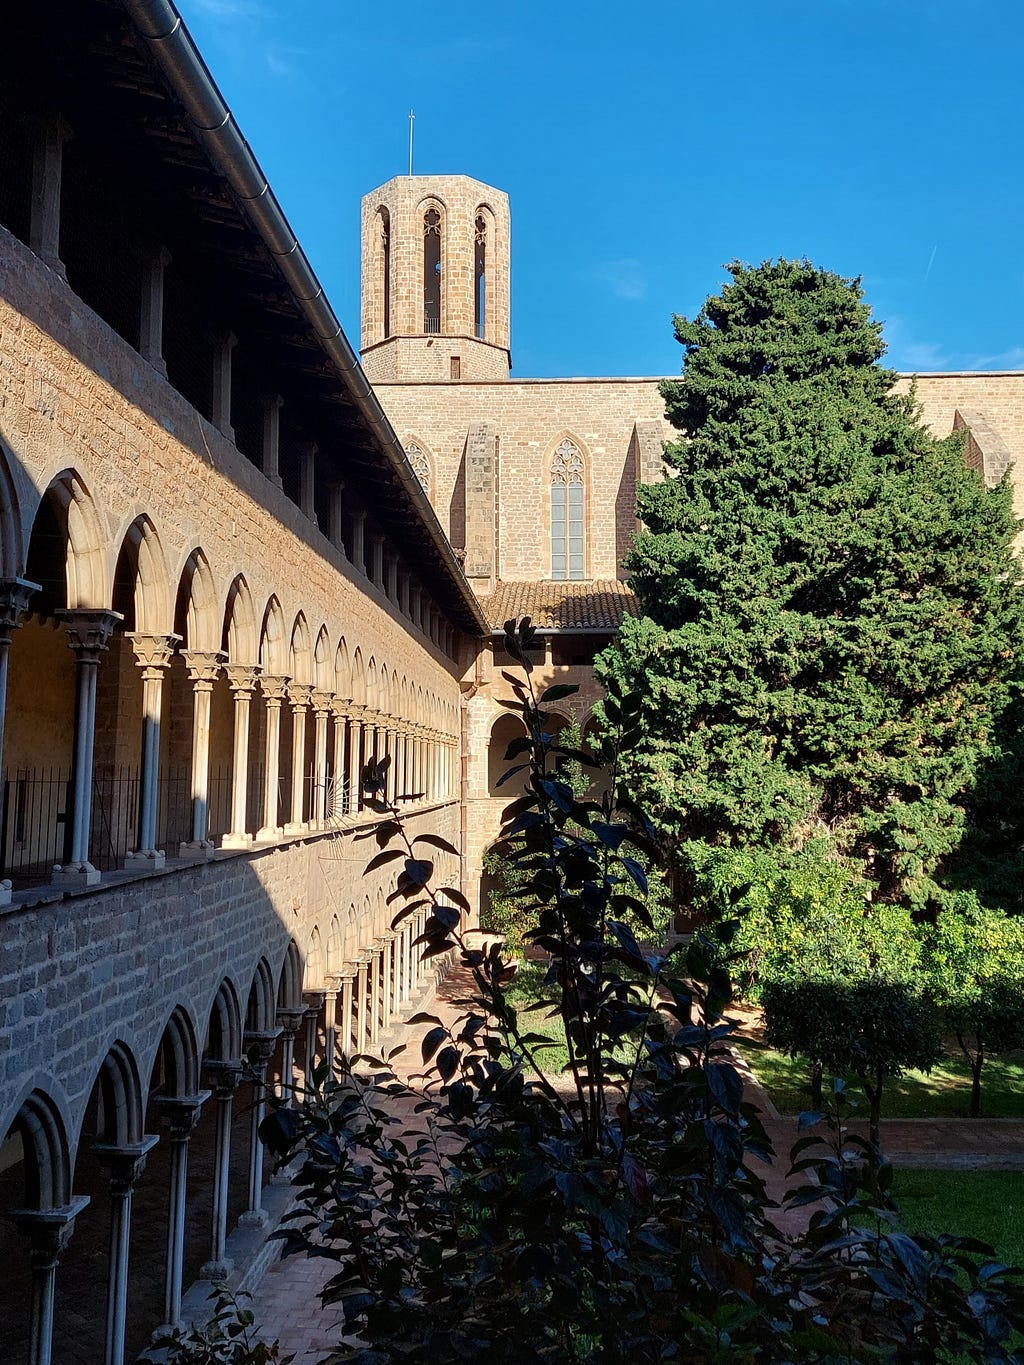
35	806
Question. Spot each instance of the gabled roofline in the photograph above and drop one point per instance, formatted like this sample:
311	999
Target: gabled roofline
178	58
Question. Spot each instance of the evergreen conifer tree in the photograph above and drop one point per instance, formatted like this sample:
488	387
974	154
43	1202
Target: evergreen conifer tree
830	617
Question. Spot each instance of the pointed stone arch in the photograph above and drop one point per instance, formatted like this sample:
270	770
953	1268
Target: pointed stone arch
358	678
67	511
342	671
240	641
260	1004
141	589
40	1127
197	614
273	640
290	980
120	1101
224	1031
323	673
176	1065
300	652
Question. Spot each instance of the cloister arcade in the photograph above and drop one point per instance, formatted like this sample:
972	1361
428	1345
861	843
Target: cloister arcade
186	713
166	1158
164	711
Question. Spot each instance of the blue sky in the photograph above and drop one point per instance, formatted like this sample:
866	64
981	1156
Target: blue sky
643	146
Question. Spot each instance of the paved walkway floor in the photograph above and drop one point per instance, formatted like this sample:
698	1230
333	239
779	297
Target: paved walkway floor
287	1304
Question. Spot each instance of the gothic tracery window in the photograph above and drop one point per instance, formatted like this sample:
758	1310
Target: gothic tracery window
479	280
432	272
567	511
420	465
385	262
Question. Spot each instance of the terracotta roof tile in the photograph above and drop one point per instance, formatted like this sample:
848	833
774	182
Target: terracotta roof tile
597	605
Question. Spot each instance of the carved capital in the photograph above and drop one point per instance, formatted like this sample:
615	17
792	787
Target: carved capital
299	695
153	653
264	1040
289	1018
322	701
203	666
15	594
180	1113
124	1164
89	630
48	1230
242	678
274	687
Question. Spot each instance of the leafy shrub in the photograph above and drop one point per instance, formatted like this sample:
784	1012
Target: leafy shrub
975	971
872	1028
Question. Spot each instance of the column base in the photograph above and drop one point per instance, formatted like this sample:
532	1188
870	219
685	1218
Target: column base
216	1270
270	834
75	875
254	1218
235	840
293	827
197	850
5	891
145	860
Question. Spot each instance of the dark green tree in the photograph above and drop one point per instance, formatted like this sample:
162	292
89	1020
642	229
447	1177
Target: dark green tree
830	613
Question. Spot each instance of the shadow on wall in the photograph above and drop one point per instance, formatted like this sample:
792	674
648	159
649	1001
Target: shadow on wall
128	1109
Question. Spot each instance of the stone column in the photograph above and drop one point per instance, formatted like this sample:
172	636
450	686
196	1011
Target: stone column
203	668
47	166
223	1077
299	695
362	1013
14	600
153	655
89	633
124	1167
355	776
221	386
242	678
359	541
330	1023
48	1232
180	1116
274	689
314	1004
398	971
340	805
322	702
387	977
307	473
151	308
255	1216
376	950
271	443
336	528
346	979
289	1020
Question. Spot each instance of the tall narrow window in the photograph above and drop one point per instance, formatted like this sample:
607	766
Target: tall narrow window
432	271
567	537
385	263
479	282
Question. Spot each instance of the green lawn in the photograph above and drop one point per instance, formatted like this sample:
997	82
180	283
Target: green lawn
944	1092
525	988
985	1204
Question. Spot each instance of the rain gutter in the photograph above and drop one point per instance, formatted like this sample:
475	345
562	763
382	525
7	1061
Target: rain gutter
169	40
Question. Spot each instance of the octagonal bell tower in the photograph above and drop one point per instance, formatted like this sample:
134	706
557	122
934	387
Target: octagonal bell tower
435	280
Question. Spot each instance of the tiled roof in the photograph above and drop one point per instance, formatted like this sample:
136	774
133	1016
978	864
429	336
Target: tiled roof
597	605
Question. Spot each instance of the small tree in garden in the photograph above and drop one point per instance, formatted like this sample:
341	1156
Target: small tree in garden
975	972
872	1028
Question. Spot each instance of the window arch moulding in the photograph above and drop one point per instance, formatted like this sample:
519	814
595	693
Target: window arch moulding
568	511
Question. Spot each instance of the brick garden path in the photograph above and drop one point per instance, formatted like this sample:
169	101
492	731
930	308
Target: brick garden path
286	1303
